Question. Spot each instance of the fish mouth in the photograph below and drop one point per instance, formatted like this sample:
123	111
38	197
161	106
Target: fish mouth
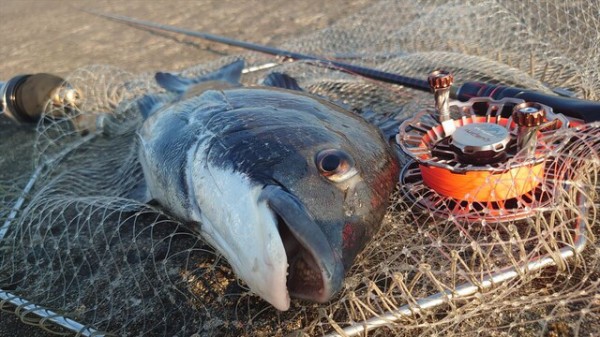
315	272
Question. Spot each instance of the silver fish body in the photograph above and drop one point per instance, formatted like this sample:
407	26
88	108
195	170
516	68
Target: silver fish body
287	186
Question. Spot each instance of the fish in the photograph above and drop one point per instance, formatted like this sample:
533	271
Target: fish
287	186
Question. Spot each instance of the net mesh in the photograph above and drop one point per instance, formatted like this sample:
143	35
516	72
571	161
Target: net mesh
80	247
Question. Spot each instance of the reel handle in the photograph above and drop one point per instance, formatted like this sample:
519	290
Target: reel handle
588	111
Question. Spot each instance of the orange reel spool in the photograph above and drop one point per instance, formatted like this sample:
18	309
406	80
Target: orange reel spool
479	184
483	159
483	186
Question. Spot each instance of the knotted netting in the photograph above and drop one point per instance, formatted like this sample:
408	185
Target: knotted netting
80	247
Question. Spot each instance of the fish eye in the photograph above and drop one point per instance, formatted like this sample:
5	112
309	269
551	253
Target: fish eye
335	165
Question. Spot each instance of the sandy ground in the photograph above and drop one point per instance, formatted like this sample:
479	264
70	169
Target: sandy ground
56	37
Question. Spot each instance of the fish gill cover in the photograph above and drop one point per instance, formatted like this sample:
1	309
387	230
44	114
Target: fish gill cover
81	248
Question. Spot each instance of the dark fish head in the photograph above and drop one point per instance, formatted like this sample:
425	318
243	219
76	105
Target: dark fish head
287	186
325	174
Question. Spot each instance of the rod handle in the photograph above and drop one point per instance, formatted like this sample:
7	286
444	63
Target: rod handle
24	98
588	111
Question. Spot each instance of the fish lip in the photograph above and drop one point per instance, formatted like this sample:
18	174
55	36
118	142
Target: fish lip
314	250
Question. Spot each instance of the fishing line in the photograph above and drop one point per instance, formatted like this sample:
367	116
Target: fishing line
483	186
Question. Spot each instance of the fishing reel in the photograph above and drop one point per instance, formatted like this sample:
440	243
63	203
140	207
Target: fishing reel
483	159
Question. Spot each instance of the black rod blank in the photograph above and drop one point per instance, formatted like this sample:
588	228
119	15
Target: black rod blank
588	111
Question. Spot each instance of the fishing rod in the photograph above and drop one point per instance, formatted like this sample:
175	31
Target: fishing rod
588	111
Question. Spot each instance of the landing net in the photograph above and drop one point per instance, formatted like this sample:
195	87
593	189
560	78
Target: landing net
80	248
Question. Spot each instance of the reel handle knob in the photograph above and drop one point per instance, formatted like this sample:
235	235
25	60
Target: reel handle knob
440	79
528	116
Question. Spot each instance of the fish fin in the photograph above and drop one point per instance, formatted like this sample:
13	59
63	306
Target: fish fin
230	73
280	80
387	124
149	104
172	82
